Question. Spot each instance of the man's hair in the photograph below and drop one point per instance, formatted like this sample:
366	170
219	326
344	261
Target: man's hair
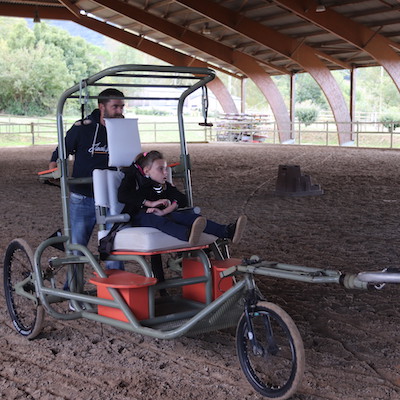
108	94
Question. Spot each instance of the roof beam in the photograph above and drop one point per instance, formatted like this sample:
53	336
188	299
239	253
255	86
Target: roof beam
162	53
368	40
369	11
196	40
147	46
247	64
71	7
295	50
37	3
28	11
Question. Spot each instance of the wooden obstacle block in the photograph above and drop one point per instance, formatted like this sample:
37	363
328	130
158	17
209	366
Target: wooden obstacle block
290	182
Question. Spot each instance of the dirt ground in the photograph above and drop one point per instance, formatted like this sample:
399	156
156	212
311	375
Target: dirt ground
351	337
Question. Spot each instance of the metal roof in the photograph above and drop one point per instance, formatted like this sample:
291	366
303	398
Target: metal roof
277	34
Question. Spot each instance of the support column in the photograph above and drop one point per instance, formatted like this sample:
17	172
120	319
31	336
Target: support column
243	95
292	106
353	88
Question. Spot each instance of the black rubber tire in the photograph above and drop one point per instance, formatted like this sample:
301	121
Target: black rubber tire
275	372
27	317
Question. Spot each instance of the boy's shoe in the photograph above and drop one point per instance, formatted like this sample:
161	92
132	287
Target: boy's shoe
197	229
235	231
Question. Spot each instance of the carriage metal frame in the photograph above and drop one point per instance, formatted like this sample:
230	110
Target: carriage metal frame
269	345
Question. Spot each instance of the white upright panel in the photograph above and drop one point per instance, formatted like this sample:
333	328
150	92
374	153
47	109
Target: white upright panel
100	188
123	141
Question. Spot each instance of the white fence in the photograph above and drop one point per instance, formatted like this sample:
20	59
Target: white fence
255	129
322	133
40	133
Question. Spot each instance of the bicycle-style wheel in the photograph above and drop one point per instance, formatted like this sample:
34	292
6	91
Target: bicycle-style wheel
273	360
27	316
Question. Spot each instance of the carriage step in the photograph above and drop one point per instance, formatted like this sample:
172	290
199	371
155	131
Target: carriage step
133	288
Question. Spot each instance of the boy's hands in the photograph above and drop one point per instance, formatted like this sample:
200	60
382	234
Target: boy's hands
155	210
158	203
169	207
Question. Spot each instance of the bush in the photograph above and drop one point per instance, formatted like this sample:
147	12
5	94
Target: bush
151	111
307	113
390	121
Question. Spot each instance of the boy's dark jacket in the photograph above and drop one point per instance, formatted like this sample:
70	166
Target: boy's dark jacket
136	188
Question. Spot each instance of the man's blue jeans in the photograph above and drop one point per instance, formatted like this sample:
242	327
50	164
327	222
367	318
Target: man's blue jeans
83	219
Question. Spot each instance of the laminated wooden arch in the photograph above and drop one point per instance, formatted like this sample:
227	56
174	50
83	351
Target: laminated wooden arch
378	46
255	39
163	53
248	65
147	46
290	48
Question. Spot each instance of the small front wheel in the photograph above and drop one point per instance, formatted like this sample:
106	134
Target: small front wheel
19	289
270	351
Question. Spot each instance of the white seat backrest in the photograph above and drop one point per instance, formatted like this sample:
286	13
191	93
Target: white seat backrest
106	184
123	147
123	141
99	188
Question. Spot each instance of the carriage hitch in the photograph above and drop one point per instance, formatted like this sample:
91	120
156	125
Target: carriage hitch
362	280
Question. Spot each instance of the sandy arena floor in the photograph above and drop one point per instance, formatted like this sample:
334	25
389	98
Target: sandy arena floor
351	337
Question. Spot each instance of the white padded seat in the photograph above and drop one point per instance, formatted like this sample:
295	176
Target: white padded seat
124	145
146	240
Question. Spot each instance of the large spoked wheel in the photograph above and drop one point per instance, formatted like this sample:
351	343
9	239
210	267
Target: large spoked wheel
19	289
271	351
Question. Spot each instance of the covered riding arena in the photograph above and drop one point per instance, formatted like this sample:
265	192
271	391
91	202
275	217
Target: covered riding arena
350	336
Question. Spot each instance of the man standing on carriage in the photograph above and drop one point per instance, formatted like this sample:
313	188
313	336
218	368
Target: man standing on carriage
86	140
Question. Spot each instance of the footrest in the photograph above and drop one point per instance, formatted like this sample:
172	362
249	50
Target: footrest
54	173
123	280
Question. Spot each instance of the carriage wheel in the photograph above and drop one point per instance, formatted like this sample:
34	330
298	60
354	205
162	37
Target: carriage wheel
274	362
26	314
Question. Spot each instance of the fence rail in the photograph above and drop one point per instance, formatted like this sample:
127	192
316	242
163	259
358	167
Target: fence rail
363	134
38	133
321	133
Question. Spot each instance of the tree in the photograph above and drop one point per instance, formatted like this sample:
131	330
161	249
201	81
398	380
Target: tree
376	91
307	89
38	65
32	80
82	59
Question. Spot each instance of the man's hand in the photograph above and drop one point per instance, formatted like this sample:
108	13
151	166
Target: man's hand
52	165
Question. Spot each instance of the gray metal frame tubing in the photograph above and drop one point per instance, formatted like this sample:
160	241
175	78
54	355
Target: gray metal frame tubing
49	295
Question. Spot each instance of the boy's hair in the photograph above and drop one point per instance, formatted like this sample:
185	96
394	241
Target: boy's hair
106	95
146	159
